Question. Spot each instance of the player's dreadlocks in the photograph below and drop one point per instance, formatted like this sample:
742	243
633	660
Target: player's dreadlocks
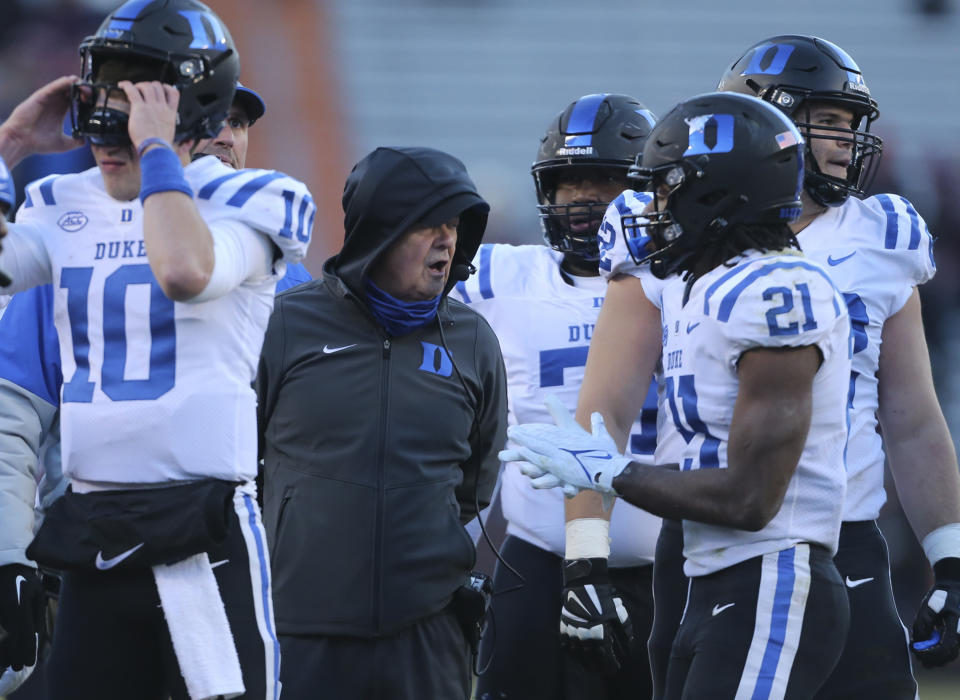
738	238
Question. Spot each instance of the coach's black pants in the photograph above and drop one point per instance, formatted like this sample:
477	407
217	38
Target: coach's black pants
429	659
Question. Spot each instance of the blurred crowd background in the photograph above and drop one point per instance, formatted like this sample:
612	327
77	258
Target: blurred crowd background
483	78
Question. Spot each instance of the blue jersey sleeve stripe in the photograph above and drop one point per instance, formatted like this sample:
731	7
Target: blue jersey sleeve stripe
206	192
914	225
46	191
890	240
483	275
715	286
462	290
27	199
251	188
726	305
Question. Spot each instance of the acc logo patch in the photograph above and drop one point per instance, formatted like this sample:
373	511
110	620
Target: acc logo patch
73	221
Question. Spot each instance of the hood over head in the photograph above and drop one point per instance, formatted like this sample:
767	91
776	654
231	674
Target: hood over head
395	189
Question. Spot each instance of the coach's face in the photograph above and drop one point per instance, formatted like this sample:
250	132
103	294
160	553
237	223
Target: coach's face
417	266
119	165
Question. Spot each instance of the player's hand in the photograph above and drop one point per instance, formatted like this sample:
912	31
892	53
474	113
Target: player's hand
594	623
36	124
936	630
21	615
565	454
153	110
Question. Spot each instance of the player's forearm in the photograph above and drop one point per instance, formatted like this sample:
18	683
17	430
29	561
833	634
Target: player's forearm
179	245
713	496
924	466
12	148
623	354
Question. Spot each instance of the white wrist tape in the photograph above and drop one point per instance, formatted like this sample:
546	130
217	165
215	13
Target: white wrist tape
588	538
942	543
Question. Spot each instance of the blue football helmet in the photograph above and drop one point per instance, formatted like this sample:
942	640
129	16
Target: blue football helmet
594	131
178	42
791	72
715	161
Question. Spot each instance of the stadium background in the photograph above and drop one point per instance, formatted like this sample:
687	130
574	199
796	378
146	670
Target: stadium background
482	78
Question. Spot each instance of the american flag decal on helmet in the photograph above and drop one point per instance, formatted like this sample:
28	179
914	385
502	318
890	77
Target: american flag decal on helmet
787	138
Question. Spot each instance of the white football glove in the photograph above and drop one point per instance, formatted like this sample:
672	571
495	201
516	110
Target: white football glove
565	455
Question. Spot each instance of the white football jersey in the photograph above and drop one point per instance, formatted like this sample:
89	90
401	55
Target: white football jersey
876	251
763	301
153	390
544	325
616	259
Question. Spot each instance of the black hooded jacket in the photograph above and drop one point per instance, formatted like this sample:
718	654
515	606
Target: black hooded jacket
376	448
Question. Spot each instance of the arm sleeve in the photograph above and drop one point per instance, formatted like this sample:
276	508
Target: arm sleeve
490	427
24	258
240	254
25	420
30	382
781	304
908	245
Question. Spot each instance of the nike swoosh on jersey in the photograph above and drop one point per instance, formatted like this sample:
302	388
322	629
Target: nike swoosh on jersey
327	350
215	564
836	261
851	583
18	581
717	609
104	564
691	326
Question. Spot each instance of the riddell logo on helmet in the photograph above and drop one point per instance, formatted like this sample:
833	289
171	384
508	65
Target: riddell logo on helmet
858	87
575	151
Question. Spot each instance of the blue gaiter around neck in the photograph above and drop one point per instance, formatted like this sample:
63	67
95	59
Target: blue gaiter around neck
399	317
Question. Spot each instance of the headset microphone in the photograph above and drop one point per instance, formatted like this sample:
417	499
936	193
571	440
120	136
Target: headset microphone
462	272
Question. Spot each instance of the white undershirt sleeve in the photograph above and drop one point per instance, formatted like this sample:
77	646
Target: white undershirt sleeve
240	254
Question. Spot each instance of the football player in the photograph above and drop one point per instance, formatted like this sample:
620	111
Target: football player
542	302
878	250
30	379
160	303
756	363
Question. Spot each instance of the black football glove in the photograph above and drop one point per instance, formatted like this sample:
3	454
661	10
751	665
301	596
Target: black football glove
594	624
21	615
936	630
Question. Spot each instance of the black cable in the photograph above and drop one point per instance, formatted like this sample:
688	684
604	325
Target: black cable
476	504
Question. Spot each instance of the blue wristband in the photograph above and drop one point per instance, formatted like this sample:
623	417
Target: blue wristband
161	171
153	140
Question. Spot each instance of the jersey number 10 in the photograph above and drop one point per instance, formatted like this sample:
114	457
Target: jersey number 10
163	338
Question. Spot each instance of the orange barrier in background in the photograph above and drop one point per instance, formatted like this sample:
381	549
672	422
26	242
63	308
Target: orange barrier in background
285	56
